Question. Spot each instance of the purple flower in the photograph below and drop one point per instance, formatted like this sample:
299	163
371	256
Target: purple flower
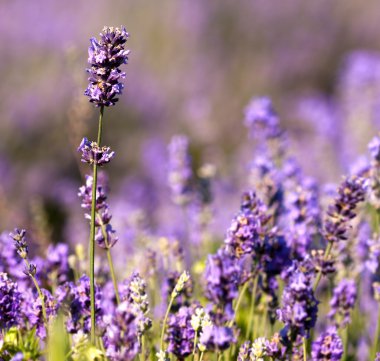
77	297
244	352
328	346
374	148
105	57
247	228
18	236
105	235
216	337
343	302
299	306
261	118
223	277
92	153
180	333
377	356
121	336
180	173
10	300
350	193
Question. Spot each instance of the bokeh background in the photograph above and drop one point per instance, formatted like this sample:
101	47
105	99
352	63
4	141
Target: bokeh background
193	68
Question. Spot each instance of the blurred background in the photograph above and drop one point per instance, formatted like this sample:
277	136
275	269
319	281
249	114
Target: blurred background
194	66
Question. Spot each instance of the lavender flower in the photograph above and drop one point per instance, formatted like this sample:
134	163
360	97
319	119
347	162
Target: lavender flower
105	235
244	352
180	333
223	277
92	153
20	242
299	306
343	302
328	347
105	56
10	300
78	302
350	193
121	336
216	338
261	118
180	172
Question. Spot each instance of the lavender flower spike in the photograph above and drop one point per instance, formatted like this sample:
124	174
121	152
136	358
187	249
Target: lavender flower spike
10	301
92	153
105	56
328	346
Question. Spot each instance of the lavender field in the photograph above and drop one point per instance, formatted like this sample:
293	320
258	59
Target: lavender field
199	183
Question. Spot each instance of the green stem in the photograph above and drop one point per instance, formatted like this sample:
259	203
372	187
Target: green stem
345	343
201	358
92	233
377	335
40	295
164	324
109	258
252	309
238	302
195	344
304	344
319	275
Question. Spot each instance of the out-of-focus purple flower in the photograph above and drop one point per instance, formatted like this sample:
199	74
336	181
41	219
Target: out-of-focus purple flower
78	303
32	308
92	153
377	358
10	262
216	338
261	118
343	302
180	173
121	335
133	290
10	300
54	270
374	148
244	352
105	235
105	56
350	193
223	277
180	333
328	346
299	307
302	211
372	263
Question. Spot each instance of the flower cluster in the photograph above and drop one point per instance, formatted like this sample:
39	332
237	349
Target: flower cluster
299	306
105	56
343	302
93	153
350	193
105	234
328	346
10	300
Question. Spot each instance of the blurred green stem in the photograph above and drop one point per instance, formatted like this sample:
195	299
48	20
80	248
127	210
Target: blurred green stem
92	232
252	308
345	343
377	335
164	323
304	344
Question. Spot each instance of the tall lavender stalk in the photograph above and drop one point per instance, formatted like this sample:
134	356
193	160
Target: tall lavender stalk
105	58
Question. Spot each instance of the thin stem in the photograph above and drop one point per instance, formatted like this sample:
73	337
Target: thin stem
377	335
92	233
40	295
252	308
238	302
220	356
304	344
345	343
164	324
319	275
195	344
109	258
201	358
143	347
